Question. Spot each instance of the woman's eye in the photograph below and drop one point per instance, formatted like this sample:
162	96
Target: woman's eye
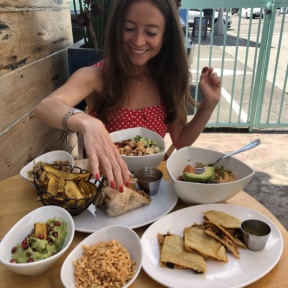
151	33
127	29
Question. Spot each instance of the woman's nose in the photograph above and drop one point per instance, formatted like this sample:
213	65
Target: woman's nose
139	39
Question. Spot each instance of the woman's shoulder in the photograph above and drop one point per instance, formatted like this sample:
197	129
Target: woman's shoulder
89	73
89	77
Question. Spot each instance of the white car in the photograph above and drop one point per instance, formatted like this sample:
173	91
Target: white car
282	9
196	13
246	12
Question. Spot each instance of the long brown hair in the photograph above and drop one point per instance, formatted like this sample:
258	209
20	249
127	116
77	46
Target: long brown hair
169	68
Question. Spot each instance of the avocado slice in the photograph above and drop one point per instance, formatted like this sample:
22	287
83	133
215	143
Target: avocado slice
207	176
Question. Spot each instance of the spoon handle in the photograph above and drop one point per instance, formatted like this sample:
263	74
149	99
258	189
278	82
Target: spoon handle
249	146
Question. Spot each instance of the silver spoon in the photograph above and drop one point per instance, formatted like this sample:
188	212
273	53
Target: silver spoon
251	145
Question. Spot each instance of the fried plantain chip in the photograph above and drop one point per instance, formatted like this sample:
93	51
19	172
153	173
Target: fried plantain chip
88	189
73	191
53	184
65	175
61	186
85	189
43	177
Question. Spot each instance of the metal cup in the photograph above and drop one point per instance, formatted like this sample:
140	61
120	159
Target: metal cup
255	234
148	180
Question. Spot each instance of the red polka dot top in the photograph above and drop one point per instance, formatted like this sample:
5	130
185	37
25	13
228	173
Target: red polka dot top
151	118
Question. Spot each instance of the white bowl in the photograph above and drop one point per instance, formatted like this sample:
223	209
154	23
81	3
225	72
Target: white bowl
49	158
204	193
22	228
136	162
126	236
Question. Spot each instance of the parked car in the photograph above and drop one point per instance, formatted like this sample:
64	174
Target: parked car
196	13
234	11
246	12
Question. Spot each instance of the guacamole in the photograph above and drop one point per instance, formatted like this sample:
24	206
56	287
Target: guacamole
45	240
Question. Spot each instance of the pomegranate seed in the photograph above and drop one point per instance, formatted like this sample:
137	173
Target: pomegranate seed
24	242
55	234
30	260
13	261
14	249
41	236
49	240
57	223
24	246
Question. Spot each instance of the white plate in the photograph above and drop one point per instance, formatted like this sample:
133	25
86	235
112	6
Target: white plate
236	273
162	203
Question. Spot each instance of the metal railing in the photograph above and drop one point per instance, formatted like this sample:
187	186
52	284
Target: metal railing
251	57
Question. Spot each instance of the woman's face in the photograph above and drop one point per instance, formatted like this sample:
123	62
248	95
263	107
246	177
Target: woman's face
143	35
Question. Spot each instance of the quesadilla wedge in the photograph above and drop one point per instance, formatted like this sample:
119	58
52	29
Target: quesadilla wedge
196	240
173	254
114	203
223	219
220	234
230	223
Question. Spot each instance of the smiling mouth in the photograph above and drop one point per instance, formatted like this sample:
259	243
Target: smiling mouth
138	51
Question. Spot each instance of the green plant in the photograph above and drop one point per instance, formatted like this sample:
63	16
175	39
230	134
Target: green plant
92	17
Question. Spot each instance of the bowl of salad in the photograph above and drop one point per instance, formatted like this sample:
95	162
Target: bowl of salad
139	147
216	184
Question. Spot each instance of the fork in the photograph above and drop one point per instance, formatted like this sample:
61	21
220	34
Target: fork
251	145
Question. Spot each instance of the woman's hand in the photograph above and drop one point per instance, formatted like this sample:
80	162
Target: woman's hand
186	135
210	86
103	155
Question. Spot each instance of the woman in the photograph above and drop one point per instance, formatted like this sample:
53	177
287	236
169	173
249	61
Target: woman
142	82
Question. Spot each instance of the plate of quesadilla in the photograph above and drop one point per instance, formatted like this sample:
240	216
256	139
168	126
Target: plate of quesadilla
93	219
235	273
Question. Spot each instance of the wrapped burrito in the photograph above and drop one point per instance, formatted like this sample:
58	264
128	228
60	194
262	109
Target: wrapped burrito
114	203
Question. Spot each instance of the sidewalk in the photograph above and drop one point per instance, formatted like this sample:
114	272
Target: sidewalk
270	161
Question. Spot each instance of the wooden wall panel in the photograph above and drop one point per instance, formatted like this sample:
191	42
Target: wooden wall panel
34	36
18	4
24	88
28	35
69	144
26	140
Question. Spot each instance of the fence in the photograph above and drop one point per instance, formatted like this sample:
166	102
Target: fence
251	58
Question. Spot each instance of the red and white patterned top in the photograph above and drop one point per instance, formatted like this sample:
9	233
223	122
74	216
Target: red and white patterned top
151	118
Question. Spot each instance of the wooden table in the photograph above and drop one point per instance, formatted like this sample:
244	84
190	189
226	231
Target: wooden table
18	198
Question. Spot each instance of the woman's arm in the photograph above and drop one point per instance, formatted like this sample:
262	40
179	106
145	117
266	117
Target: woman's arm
186	134
79	86
100	149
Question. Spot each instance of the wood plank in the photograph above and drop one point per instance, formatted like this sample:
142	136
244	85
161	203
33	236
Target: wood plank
27	36
25	87
18	4
26	140
69	144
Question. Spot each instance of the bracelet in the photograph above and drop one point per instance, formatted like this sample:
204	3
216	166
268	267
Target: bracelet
67	116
